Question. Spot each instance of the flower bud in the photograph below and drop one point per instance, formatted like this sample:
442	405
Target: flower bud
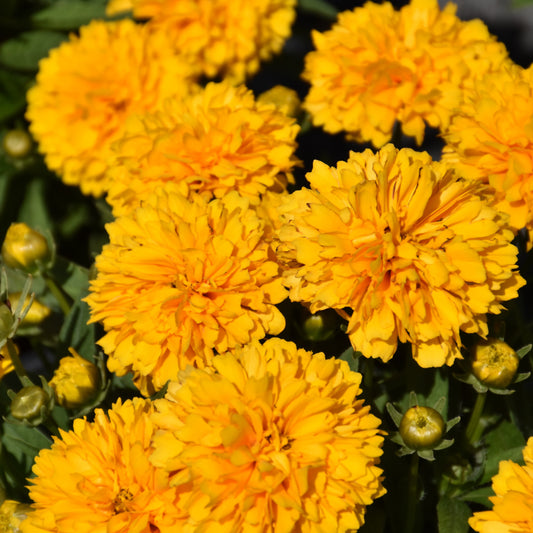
422	428
17	144
320	326
28	403
12	513
36	313
285	99
24	248
76	381
494	363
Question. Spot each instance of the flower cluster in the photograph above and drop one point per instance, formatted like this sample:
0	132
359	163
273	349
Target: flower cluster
378	65
180	280
220	38
88	86
411	248
217	140
490	139
275	438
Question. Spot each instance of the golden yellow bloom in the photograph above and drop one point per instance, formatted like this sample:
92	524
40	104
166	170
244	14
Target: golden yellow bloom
25	248
75	381
377	66
88	86
490	139
181	279
275	440
12	513
221	38
513	504
284	98
218	140
97	477
412	249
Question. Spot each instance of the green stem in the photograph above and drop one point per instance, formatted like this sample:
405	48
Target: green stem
13	354
474	428
58	293
412	495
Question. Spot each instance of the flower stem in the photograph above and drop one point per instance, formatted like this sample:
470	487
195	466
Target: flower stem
412	494
58	293
474	429
15	359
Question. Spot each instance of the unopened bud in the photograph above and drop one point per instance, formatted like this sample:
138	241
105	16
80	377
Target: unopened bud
422	428
494	363
17	144
36	313
320	326
24	248
285	99
76	381
28	403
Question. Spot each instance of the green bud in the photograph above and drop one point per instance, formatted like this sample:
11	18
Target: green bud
17	144
28	404
422	428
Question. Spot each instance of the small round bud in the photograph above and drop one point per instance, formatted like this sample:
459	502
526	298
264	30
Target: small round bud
76	381
36	313
12	513
320	326
24	248
285	99
17	143
28	403
422	428
494	363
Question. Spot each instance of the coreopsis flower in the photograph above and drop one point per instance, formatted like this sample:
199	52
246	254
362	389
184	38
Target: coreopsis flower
228	39
490	139
180	280
513	503
97	477
86	88
377	66
414	251
217	140
275	440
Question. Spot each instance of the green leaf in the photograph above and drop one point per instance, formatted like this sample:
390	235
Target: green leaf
13	87
72	278
318	7
23	442
68	14
480	496
24	51
75	331
505	442
453	515
34	210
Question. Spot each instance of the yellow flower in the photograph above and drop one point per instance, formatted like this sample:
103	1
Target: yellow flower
37	313
218	140
221	38
412	249
512	509
88	86
75	381
181	279
377	66
25	248
284	98
12	513
494	363
490	139
275	440
97	477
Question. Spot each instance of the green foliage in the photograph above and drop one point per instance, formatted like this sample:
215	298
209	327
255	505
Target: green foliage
452	515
